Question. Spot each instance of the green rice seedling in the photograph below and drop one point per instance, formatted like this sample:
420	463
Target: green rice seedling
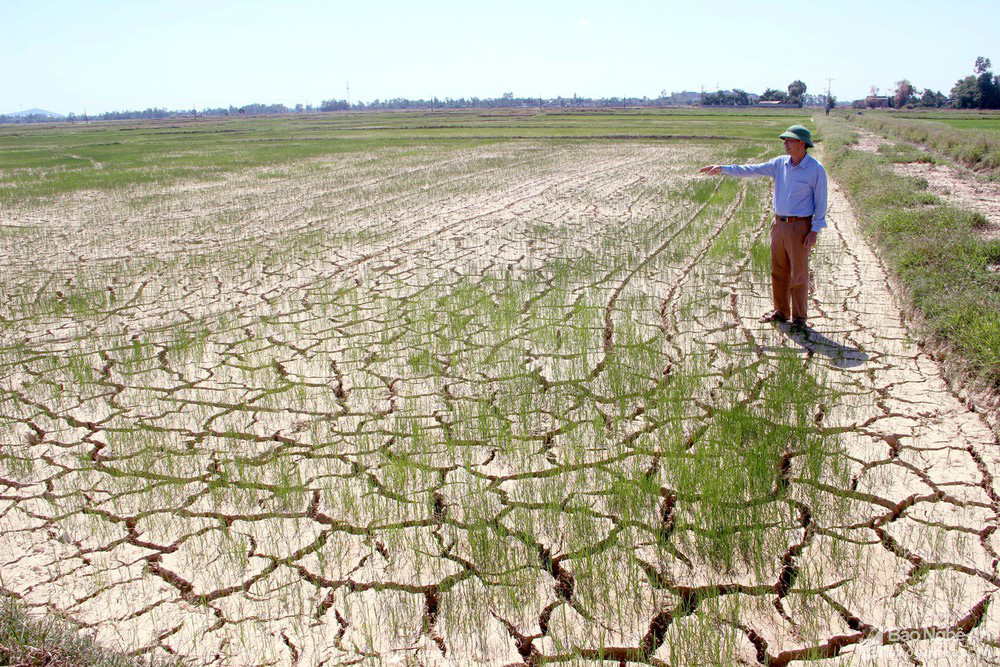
16	462
189	343
80	370
760	257
289	486
730	475
736	472
634	496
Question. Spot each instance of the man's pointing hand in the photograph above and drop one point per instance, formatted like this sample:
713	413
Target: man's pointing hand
712	169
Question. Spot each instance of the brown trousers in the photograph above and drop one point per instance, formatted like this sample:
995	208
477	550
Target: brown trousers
790	267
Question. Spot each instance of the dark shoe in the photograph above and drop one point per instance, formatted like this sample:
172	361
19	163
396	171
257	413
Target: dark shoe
798	325
774	316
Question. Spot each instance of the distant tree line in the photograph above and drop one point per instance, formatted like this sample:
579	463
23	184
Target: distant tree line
252	109
731	98
159	113
505	101
907	96
976	91
795	95
31	118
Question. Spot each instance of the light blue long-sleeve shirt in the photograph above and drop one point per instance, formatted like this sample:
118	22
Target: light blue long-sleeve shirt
799	190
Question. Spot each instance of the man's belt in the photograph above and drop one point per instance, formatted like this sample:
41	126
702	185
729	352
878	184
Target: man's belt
793	218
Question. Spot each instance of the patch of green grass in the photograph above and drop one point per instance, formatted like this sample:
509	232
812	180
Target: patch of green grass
29	642
905	152
959	118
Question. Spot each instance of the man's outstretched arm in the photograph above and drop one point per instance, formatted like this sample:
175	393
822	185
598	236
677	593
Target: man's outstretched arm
741	170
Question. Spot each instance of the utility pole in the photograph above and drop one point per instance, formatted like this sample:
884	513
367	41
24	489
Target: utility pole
828	105
348	95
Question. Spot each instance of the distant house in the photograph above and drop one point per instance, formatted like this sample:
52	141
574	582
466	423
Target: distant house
877	102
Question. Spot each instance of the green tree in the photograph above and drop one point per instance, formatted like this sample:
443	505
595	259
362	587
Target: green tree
932	98
331	105
965	92
796	89
737	98
988	85
980	90
773	95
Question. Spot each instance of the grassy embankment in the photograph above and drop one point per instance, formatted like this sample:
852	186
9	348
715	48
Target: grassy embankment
971	139
937	251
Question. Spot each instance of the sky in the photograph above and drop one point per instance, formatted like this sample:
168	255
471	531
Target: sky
107	55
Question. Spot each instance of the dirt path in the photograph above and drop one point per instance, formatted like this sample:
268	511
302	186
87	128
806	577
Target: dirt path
956	186
919	448
392	435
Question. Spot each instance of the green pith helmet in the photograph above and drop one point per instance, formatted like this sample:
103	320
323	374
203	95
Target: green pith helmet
797	132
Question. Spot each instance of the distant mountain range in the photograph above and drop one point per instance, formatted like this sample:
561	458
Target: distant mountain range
35	112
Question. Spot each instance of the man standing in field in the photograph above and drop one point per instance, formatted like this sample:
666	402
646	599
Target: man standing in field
799	213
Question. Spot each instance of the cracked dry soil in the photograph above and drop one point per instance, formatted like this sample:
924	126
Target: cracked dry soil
429	408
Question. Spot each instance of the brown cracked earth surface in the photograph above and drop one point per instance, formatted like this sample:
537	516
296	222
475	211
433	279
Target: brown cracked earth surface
499	406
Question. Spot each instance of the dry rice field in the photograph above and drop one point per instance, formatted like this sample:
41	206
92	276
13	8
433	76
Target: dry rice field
500	404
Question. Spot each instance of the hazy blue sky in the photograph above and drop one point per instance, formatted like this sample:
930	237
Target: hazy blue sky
102	55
